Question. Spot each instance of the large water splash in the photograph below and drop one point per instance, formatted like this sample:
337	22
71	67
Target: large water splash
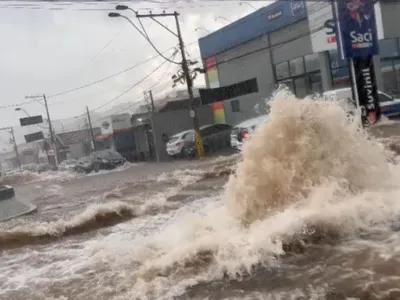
304	145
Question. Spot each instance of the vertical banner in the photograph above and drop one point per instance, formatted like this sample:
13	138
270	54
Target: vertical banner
212	72
219	112
358	42
213	80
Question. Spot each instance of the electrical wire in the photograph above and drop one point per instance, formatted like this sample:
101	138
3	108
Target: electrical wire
149	41
130	88
110	76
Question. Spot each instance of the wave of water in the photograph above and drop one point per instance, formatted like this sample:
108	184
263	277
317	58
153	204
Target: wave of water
308	176
311	210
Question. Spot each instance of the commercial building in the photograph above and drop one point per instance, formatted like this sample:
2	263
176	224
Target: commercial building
294	43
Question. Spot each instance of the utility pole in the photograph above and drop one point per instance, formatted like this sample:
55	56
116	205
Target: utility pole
91	129
153	128
53	141
188	79
15	146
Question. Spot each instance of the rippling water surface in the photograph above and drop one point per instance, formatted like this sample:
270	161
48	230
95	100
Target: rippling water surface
309	211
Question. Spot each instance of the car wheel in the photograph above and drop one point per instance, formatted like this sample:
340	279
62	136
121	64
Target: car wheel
96	168
184	153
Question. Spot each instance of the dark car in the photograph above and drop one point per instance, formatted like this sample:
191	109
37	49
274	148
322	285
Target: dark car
101	160
87	164
215	137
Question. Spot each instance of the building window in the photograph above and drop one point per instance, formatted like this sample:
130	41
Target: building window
296	66
341	78
388	48
312	62
282	70
340	70
336	59
235	105
389	76
315	82
300	87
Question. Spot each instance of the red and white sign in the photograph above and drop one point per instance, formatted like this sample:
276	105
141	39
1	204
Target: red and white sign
322	26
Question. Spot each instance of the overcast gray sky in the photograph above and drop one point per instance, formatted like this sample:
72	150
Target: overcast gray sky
50	51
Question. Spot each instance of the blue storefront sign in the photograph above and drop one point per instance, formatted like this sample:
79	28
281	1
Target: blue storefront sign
263	21
357	27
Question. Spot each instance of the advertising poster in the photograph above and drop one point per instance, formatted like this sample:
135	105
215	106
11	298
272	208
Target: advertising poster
358	42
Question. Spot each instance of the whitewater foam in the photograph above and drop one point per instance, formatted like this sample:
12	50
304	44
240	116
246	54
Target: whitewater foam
310	175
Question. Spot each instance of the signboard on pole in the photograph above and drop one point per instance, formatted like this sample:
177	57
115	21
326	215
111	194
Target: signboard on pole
31	120
358	42
36	136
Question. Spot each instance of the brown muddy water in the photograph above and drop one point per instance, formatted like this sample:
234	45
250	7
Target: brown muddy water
311	211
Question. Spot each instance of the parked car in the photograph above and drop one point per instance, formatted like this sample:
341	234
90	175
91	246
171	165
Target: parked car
67	165
179	144
390	107
87	164
30	168
215	137
101	160
243	131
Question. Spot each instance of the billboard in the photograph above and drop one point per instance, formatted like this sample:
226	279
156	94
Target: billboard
323	27
106	126
121	122
212	72
357	27
31	120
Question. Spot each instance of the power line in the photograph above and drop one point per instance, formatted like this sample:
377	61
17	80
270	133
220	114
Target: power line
111	76
130	88
102	9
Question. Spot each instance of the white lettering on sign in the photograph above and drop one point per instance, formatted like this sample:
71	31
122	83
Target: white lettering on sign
368	87
361	40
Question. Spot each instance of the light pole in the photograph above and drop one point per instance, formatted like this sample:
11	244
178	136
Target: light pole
208	31
249	4
53	141
223	18
184	64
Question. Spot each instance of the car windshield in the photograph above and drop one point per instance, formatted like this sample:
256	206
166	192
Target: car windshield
173	139
69	162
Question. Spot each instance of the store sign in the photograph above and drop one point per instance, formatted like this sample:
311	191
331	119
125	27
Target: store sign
275	15
121	121
323	26
32	137
31	120
357	28
367	90
106	127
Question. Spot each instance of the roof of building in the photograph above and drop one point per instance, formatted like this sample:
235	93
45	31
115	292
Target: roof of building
263	21
77	136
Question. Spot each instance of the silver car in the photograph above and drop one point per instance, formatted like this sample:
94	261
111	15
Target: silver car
67	165
177	144
241	132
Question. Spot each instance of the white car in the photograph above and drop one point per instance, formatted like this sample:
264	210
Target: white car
67	165
242	131
177	144
390	107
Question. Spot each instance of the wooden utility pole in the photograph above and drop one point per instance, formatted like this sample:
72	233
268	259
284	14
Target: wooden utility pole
91	129
51	128
186	72
153	128
15	146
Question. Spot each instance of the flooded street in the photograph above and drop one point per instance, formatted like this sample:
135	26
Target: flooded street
298	218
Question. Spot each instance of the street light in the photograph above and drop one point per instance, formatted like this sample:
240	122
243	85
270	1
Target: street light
114	15
202	29
223	18
121	7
